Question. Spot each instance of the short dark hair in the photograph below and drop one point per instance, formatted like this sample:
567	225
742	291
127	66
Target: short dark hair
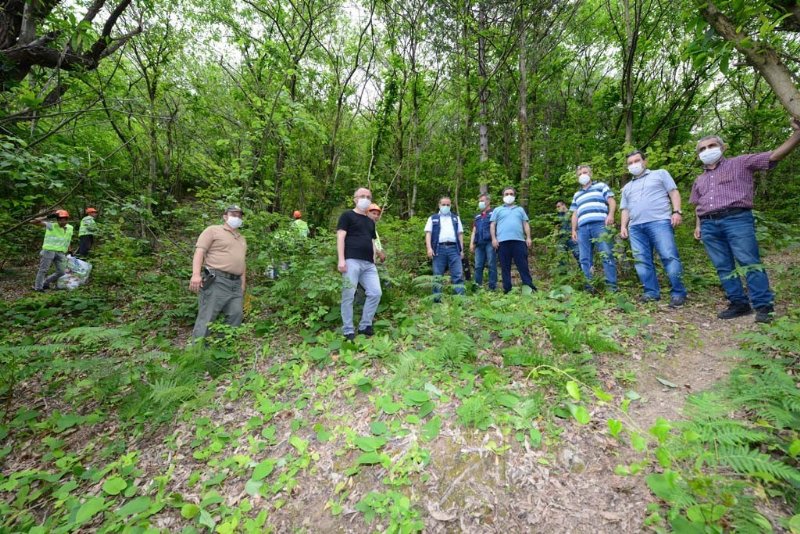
644	156
509	188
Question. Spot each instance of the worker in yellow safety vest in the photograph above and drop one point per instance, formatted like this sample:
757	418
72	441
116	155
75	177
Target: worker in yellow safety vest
57	238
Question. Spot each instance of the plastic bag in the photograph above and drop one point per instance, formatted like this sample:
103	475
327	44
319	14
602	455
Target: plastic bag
77	273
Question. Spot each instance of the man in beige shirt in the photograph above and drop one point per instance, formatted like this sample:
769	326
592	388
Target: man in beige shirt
219	273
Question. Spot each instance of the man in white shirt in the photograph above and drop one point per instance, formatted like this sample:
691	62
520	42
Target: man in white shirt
444	239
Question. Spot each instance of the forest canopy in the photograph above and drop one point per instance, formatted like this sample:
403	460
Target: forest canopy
139	107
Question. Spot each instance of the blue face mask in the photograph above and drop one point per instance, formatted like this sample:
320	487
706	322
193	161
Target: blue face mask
444	210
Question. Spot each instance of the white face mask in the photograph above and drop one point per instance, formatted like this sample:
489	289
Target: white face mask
584	179
481	205
636	168
234	222
509	199
363	203
710	156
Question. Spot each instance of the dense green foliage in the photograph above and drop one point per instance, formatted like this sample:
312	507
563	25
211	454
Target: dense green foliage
110	421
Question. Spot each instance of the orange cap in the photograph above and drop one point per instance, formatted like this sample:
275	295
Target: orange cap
374	207
91	210
62	214
297	214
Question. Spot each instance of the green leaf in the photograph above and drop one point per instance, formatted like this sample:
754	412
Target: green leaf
190	511
114	485
263	469
794	448
580	413
602	395
136	506
664	485
614	427
638	442
416	397
298	443
378	428
794	524
252	487
430	430
369	443
425	408
661	429
370	458
574	390
663	457
89	509
535	437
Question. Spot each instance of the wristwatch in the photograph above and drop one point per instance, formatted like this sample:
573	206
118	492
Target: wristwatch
679	212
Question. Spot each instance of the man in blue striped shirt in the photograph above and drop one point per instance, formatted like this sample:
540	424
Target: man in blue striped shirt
593	208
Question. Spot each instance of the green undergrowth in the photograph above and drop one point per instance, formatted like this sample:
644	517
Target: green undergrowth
738	452
101	408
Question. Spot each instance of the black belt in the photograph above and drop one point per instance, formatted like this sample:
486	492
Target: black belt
448	244
721	214
223	274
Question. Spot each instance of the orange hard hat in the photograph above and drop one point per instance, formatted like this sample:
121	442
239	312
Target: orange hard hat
62	214
91	210
297	214
374	207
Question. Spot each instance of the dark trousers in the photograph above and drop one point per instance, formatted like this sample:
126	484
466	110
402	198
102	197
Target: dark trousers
85	243
518	252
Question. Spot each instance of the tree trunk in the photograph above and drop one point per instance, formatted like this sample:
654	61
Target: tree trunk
761	57
524	150
484	90
627	73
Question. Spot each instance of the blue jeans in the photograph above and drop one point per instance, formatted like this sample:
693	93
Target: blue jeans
448	258
595	236
364	273
518	252
658	235
486	256
568	245
732	240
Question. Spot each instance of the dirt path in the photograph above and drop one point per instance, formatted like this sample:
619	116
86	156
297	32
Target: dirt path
572	486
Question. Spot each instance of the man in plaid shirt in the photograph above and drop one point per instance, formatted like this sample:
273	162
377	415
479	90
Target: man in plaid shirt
723	194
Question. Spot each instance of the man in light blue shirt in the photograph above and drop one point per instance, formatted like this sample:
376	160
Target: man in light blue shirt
593	208
511	237
651	209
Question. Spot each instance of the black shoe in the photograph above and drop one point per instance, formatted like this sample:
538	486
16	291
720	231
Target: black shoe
39	290
647	298
765	314
350	336
46	286
366	331
677	302
735	310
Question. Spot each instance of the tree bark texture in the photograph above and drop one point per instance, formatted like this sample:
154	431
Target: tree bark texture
761	57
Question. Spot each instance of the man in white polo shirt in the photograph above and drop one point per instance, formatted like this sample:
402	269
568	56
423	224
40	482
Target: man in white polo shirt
444	239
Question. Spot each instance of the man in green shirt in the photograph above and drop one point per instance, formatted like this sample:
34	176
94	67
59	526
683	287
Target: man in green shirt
86	233
299	224
57	238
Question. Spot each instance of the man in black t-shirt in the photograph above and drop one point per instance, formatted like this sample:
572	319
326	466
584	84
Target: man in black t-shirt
355	233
